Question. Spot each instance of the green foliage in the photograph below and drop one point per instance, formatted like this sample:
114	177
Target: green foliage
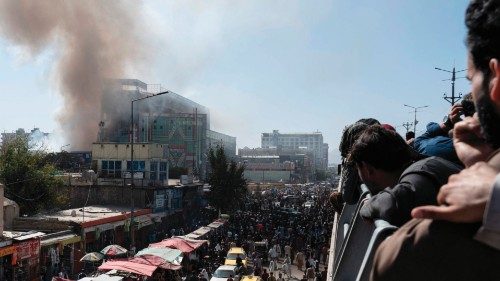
321	175
29	179
229	187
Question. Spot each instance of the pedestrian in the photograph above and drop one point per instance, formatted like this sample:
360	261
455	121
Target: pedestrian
310	274
264	275
280	277
287	266
204	273
271	277
272	266
299	260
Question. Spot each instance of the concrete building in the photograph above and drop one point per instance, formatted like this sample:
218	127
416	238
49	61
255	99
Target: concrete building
35	136
170	119
113	165
10	212
312	141
215	139
277	164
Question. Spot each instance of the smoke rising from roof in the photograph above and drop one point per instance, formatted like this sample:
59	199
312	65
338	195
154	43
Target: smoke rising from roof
95	40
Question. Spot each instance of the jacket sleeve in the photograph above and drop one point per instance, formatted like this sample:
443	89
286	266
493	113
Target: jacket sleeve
433	130
489	233
394	204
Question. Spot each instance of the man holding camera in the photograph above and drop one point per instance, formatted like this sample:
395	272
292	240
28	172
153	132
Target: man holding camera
437	141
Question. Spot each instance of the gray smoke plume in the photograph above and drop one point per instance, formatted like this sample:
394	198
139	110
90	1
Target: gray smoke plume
94	41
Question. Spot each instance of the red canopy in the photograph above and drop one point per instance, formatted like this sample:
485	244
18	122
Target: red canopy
184	245
155	261
128	266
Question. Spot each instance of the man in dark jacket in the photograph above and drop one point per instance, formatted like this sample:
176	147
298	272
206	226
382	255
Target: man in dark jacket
398	183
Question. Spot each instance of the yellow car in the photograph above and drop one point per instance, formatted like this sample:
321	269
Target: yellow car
251	278
233	254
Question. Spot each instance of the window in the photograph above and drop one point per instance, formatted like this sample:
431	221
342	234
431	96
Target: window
138	166
111	169
163	170
153	170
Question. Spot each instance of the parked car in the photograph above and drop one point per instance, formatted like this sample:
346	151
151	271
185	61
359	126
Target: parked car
223	272
233	254
251	278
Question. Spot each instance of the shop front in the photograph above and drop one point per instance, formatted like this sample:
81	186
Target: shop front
27	258
6	260
59	252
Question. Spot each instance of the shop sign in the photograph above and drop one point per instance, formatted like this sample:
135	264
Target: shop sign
5	243
28	249
7	251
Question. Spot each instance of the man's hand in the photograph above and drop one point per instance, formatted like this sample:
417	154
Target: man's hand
464	197
455	112
470	145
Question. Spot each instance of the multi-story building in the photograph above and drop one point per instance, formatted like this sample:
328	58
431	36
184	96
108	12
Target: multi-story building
277	164
215	139
113	165
36	137
311	141
169	119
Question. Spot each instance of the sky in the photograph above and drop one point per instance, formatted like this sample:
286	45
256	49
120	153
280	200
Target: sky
292	66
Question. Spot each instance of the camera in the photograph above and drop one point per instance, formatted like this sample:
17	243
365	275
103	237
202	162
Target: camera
468	108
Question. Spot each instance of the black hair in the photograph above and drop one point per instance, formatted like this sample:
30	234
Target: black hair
410	135
482	19
383	149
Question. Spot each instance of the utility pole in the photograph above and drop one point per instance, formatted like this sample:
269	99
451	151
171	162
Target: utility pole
132	234
407	126
453	72
415	109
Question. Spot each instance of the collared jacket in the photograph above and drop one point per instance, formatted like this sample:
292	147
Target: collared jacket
418	185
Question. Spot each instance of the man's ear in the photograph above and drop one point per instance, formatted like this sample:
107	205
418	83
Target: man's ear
495	81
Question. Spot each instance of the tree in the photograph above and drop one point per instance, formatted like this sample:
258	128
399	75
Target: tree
29	179
229	187
321	175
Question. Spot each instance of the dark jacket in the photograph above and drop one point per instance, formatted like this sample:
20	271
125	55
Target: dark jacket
418	185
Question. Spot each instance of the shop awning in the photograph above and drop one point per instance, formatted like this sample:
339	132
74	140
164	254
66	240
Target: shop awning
172	256
29	236
216	224
132	267
63	239
200	232
155	261
180	243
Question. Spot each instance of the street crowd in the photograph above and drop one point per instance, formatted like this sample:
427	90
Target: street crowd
277	231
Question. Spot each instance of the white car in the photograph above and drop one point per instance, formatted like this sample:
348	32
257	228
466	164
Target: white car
309	204
223	272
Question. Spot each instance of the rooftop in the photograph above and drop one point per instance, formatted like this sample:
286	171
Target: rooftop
91	213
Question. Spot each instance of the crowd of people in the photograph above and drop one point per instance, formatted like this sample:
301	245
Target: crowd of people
276	230
441	188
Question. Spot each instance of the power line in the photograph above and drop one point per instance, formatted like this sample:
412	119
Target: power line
407	126
452	99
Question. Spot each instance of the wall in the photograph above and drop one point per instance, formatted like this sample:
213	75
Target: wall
10	212
109	195
122	151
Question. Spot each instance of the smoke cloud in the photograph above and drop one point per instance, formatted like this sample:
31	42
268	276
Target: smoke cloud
94	41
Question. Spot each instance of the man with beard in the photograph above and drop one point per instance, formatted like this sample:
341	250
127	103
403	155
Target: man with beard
460	239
